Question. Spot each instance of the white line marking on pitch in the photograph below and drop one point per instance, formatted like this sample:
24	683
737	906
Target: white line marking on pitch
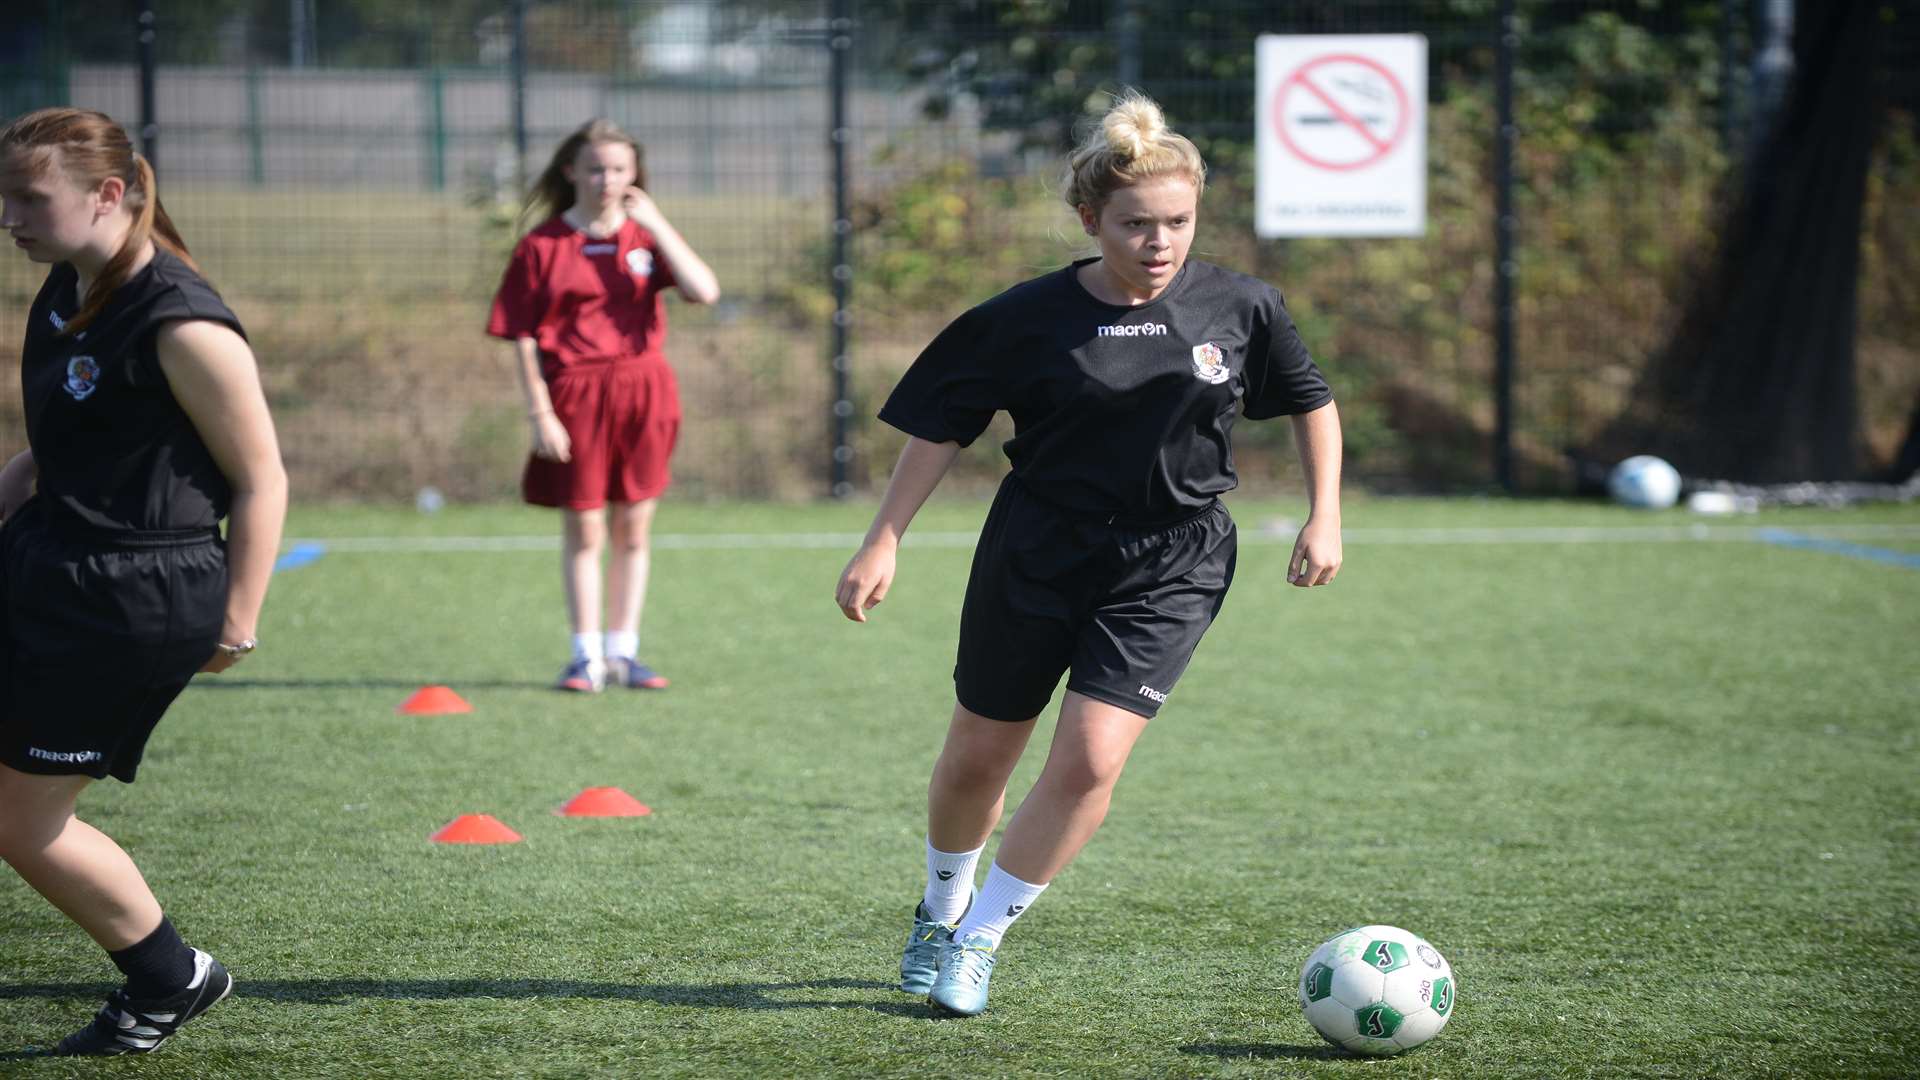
1257	534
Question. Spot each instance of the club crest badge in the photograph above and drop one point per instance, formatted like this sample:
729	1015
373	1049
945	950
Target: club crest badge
640	262
1210	364
83	377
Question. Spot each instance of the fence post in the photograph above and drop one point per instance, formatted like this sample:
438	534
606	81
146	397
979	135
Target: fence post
519	95
256	130
1503	258
1127	65
437	128
149	122
840	41
1772	65
1729	85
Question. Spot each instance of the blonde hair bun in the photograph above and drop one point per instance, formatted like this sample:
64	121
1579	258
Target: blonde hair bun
1131	143
1133	126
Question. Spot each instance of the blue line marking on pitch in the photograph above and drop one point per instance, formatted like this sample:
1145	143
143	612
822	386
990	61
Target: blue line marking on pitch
299	555
1841	547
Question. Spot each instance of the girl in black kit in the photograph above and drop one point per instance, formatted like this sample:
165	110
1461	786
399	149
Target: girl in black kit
1107	552
145	427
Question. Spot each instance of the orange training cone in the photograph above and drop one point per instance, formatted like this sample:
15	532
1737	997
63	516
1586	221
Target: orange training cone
432	701
605	802
475	829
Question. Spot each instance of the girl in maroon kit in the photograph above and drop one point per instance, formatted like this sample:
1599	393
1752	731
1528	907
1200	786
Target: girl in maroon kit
582	302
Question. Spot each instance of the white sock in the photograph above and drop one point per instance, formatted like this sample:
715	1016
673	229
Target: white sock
587	647
623	643
1002	899
949	882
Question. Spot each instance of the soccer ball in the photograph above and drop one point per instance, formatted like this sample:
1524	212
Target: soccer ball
1644	481
1377	990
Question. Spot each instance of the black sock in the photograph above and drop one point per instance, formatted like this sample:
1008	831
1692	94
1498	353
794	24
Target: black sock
156	965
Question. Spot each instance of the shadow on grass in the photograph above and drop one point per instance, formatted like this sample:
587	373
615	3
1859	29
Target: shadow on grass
222	682
1236	1051
750	996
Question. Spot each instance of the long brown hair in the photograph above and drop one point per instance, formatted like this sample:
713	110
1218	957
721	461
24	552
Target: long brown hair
552	193
89	147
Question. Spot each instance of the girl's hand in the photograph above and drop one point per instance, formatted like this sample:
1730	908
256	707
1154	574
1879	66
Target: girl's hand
864	583
550	439
640	207
1316	554
221	660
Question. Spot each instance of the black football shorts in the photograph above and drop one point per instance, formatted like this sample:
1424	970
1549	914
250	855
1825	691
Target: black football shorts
1119	605
97	637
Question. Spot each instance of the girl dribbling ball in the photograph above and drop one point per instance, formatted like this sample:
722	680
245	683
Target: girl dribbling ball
1107	552
583	302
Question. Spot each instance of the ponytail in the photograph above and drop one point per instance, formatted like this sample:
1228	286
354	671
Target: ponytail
91	149
155	213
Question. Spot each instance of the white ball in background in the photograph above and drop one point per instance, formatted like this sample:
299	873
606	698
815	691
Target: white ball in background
1645	482
429	500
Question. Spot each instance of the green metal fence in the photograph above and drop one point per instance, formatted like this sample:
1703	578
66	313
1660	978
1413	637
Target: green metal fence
349	183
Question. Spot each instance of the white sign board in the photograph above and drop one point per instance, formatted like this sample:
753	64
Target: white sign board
1340	135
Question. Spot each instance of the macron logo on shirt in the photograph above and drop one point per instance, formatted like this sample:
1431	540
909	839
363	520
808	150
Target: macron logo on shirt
1147	329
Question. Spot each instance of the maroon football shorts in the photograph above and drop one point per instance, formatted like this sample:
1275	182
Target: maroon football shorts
623	417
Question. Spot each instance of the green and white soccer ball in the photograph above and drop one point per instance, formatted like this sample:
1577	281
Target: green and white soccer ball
1377	990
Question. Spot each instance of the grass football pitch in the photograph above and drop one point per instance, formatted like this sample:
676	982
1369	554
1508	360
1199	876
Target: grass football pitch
1649	781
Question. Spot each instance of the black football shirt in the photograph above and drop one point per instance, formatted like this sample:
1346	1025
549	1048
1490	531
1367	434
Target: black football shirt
113	447
1118	411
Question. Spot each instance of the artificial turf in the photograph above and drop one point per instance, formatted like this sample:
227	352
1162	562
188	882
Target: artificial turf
1651	789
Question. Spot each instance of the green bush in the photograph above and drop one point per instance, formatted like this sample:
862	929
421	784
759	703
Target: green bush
1619	177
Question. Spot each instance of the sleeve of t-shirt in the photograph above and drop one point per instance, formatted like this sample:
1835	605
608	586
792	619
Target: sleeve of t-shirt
517	307
949	394
177	304
1282	379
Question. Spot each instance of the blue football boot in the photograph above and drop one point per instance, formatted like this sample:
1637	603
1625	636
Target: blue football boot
960	989
921	960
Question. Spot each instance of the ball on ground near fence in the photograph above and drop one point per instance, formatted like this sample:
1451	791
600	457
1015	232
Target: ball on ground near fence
1645	482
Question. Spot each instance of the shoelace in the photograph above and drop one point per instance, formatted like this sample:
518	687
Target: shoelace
974	963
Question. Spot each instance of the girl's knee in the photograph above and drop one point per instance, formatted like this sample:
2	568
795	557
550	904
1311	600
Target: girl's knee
630	529
28	827
974	771
583	534
1081	777
624	542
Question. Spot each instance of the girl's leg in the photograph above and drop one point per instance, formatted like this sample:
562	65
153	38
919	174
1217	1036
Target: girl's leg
582	534
630	528
93	882
964	801
1057	818
75	866
969	785
1060	814
1069	801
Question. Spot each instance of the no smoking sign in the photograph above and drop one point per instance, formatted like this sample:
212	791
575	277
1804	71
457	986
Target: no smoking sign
1341	135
